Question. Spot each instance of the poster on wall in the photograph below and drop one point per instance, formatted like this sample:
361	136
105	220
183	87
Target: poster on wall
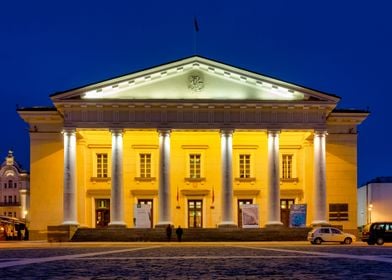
250	216
298	215
142	216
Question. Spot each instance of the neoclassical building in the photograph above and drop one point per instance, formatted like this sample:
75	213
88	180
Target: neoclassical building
14	189
188	143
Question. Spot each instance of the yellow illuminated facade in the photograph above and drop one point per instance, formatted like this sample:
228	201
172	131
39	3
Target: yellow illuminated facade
194	140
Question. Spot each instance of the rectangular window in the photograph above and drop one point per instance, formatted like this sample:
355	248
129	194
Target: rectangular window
102	165
245	166
338	212
287	166
145	165
194	165
10	198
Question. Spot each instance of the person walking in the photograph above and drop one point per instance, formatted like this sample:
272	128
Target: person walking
179	233
168	232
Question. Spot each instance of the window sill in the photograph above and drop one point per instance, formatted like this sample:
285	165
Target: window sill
289	180
144	179
195	179
251	179
100	179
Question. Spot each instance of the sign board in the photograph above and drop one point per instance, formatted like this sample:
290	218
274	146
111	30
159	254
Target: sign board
298	215
250	215
142	213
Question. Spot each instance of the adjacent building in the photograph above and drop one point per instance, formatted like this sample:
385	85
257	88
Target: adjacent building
189	143
374	201
14	189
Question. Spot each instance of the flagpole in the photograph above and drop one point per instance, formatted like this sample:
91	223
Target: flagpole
196	30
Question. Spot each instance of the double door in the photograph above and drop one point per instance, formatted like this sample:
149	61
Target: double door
195	213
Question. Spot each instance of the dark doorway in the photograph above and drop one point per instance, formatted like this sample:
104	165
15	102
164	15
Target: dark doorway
148	202
239	212
102	213
195	213
285	211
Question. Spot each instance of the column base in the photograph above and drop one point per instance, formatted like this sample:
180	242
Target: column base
163	224
227	225
70	223
320	223
274	224
117	225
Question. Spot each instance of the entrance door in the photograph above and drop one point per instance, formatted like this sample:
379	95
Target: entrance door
102	213
285	211
239	204
195	213
148	202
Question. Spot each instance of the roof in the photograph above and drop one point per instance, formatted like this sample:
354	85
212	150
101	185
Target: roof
385	179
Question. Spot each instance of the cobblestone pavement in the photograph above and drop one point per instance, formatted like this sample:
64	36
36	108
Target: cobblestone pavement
279	260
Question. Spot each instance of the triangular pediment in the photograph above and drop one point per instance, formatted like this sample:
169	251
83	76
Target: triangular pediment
195	78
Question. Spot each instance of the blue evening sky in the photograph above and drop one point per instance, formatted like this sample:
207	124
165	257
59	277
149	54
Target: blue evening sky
339	47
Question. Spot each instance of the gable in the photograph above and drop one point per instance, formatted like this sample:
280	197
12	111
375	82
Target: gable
194	78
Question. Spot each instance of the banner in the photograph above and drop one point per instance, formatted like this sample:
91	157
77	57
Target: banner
298	215
142	213
250	215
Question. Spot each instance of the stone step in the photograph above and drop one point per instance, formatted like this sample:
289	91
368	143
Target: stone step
194	235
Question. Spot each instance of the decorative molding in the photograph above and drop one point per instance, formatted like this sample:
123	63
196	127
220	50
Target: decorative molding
245	147
292	147
251	192
99	146
145	147
144	192
195	192
98	192
194	147
100	179
194	179
252	179
144	179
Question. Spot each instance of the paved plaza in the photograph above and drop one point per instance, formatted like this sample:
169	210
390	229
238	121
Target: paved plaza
255	260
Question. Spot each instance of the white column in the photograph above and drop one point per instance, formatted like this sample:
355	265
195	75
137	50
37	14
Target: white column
164	216
227	178
23	203
69	199
319	192
117	199
273	179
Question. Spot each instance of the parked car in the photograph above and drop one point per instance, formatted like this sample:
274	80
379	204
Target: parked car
377	233
329	234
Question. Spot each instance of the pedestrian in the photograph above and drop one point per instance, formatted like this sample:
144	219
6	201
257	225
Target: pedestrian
168	232
179	233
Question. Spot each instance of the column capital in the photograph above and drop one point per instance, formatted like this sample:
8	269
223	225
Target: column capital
320	132
116	131
164	131
226	131
273	132
68	131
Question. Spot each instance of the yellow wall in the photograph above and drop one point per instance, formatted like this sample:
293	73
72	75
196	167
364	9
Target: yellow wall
47	173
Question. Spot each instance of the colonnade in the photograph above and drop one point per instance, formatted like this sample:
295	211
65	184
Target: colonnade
164	215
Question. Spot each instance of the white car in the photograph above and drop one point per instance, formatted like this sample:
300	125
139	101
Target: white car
329	234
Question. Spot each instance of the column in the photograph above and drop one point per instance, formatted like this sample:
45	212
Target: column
273	179
319	192
69	199
117	192
227	178
164	216
23	203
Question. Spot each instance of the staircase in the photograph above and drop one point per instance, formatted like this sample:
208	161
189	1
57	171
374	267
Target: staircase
190	235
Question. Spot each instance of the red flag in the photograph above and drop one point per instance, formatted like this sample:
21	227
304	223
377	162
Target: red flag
213	195
177	194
